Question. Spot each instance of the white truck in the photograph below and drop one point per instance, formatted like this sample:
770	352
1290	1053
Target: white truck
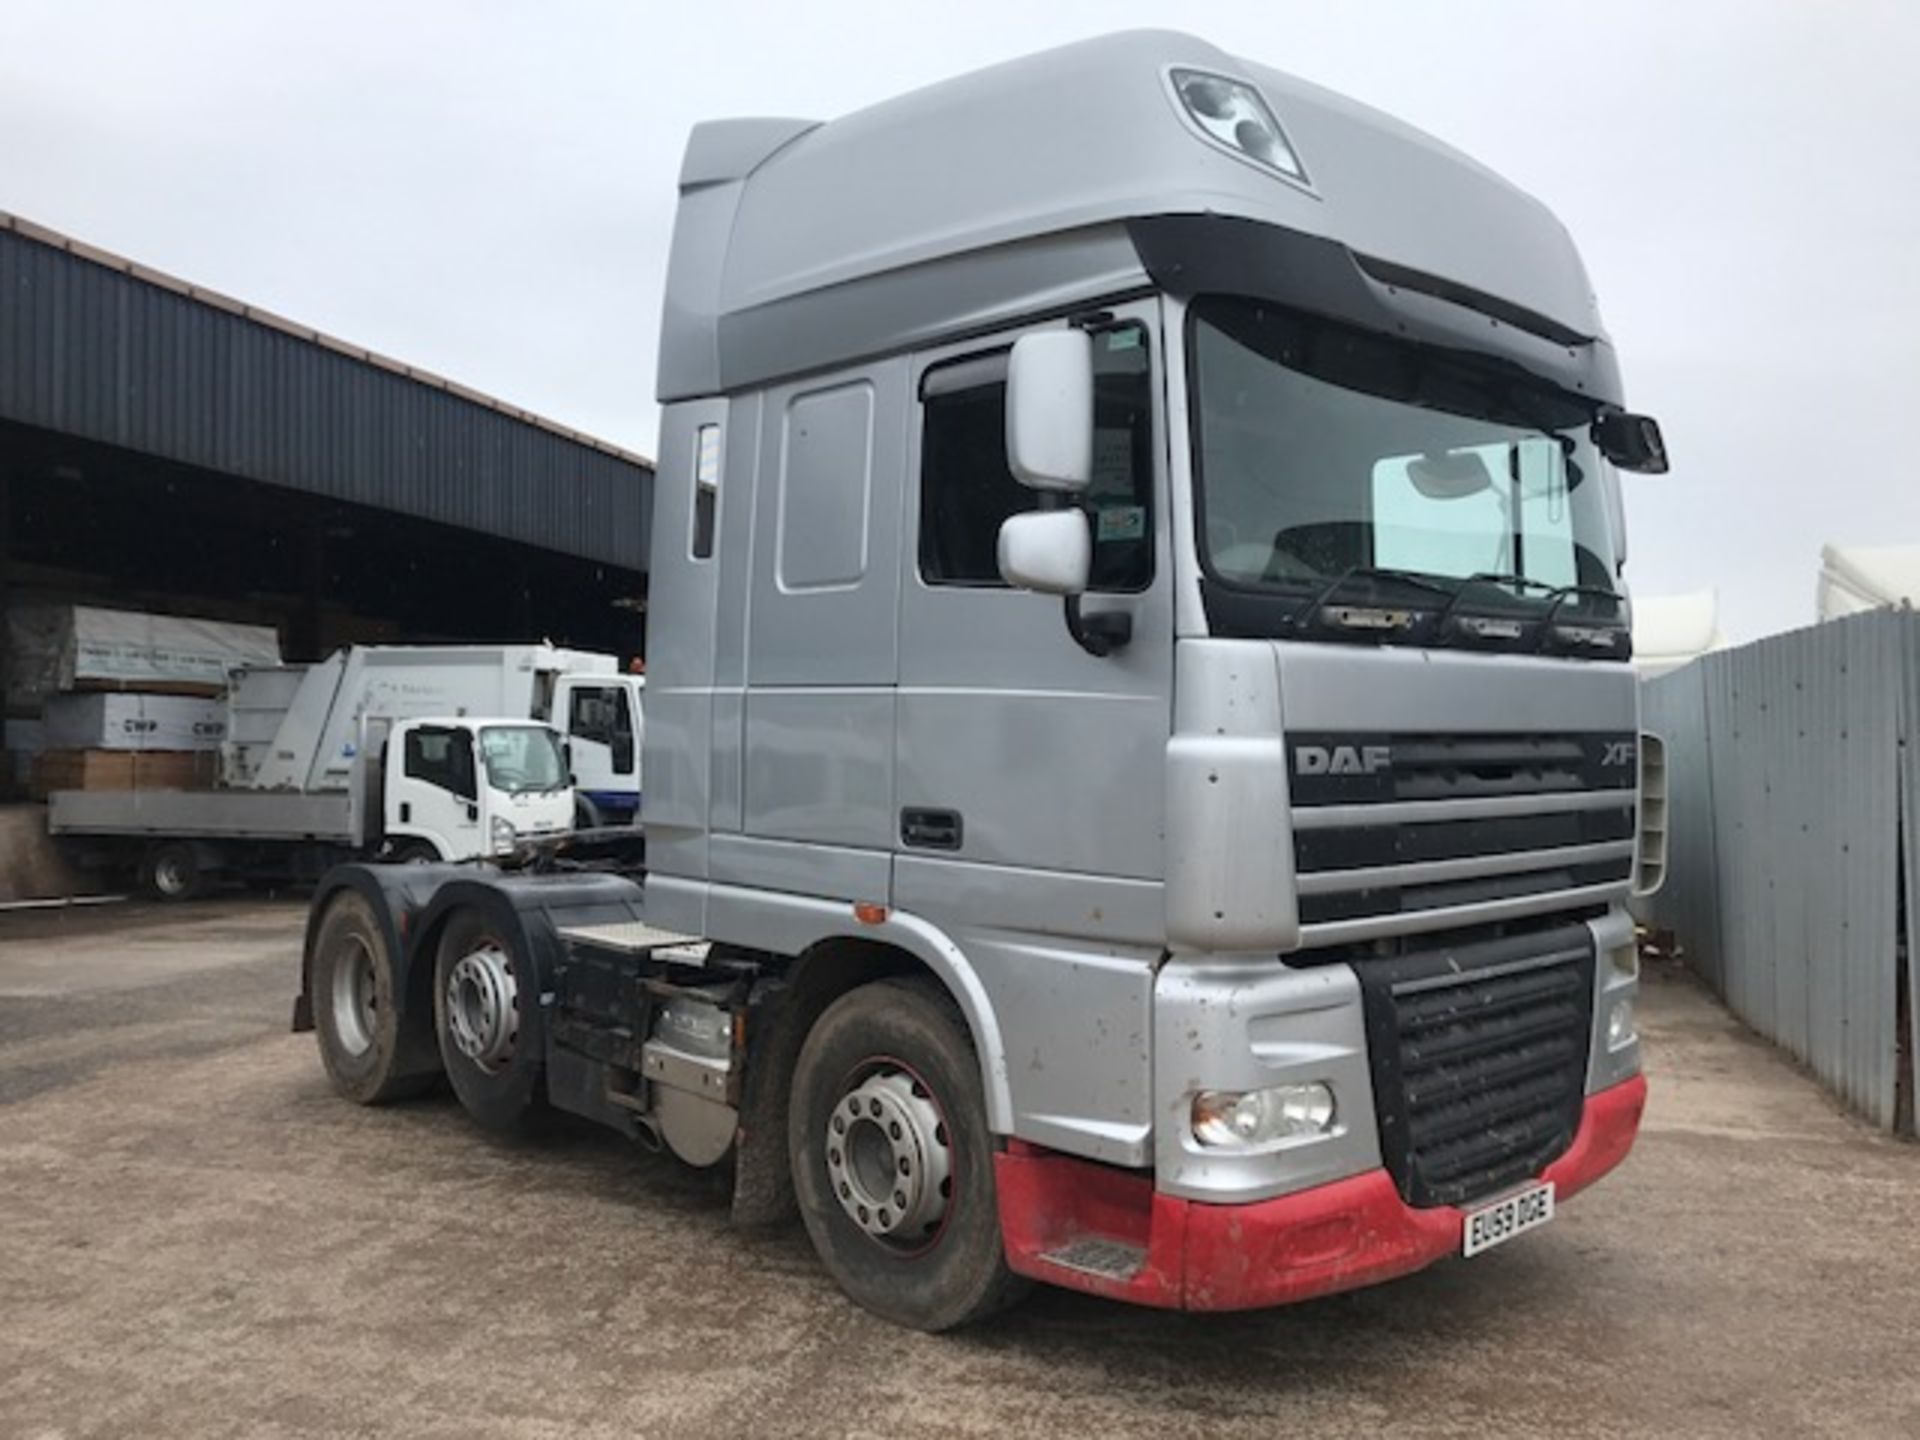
434	788
409	753
295	726
1144	771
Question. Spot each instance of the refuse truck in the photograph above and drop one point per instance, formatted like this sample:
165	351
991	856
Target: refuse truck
294	725
1143	760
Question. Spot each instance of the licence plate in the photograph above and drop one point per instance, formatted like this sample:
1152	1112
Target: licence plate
1501	1221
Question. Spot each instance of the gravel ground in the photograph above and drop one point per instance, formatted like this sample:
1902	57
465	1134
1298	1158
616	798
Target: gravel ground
197	1238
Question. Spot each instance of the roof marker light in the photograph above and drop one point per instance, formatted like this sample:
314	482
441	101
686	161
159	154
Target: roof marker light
1233	115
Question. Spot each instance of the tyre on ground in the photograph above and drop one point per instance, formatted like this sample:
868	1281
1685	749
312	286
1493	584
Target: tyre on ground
171	870
893	1160
487	1019
372	1052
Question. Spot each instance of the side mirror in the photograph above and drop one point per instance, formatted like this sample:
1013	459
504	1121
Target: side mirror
1050	551
1632	442
1050	410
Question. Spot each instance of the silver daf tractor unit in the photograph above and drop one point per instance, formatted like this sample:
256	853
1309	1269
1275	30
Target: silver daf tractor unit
1143	771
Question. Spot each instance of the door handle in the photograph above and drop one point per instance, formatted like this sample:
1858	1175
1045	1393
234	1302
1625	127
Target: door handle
930	829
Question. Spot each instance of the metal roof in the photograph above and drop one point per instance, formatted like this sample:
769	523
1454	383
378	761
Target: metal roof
98	346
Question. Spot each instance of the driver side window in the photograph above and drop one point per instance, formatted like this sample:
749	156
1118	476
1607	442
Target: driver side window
967	491
441	758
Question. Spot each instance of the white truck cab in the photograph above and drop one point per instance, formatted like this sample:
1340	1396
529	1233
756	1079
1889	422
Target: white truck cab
601	718
459	788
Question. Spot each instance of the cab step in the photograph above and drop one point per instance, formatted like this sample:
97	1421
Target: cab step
1097	1255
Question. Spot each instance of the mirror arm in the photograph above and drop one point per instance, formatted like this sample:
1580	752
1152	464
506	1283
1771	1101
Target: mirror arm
1099	635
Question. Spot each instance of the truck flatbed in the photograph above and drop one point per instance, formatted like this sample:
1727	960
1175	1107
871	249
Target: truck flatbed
213	814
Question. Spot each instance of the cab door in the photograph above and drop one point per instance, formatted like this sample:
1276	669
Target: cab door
600	732
437	795
1031	774
1015	747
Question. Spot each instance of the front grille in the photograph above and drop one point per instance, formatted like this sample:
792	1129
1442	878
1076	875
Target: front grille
1401	824
1479	1057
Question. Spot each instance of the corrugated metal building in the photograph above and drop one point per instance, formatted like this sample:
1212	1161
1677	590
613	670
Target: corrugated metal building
166	447
97	347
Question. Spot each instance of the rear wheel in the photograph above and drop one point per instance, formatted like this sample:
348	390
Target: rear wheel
171	870
893	1162
486	1007
372	1052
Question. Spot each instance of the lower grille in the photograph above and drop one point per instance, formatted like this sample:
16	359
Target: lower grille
1479	1056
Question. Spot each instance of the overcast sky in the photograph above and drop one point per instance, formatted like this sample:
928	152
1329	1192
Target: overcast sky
486	190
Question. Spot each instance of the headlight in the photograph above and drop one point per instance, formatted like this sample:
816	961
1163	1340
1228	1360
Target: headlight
1254	1119
1232	114
505	837
1620	1029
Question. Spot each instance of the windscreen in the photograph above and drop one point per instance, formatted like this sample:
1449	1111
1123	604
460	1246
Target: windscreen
1324	452
522	758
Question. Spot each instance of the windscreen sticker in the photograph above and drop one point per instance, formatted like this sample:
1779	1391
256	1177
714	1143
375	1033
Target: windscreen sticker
1121	522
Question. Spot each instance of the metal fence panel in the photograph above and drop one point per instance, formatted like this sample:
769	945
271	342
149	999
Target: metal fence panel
1785	875
1910	835
1674	707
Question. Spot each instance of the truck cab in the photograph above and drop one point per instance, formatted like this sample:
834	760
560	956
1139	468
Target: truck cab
463	788
600	715
1144	769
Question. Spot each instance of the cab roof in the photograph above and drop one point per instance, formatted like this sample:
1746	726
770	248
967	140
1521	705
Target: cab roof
1031	169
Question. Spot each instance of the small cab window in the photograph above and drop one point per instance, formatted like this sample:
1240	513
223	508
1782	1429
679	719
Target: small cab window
603	714
596	712
442	758
966	489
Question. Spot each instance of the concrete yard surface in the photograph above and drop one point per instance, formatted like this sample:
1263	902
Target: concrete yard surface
199	1238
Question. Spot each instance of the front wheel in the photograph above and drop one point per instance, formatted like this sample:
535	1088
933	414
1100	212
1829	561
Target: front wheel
171	870
893	1161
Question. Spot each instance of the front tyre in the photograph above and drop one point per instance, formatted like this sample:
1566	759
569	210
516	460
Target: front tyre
373	1053
893	1162
171	870
486	1012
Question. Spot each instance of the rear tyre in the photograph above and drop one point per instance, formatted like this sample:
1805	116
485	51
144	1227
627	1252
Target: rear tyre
372	1052
486	1008
893	1161
171	870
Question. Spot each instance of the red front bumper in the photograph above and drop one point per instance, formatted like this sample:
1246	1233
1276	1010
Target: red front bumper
1350	1233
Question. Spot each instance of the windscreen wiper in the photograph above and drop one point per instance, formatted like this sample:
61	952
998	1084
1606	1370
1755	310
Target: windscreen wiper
1492	577
1605	638
1308	612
